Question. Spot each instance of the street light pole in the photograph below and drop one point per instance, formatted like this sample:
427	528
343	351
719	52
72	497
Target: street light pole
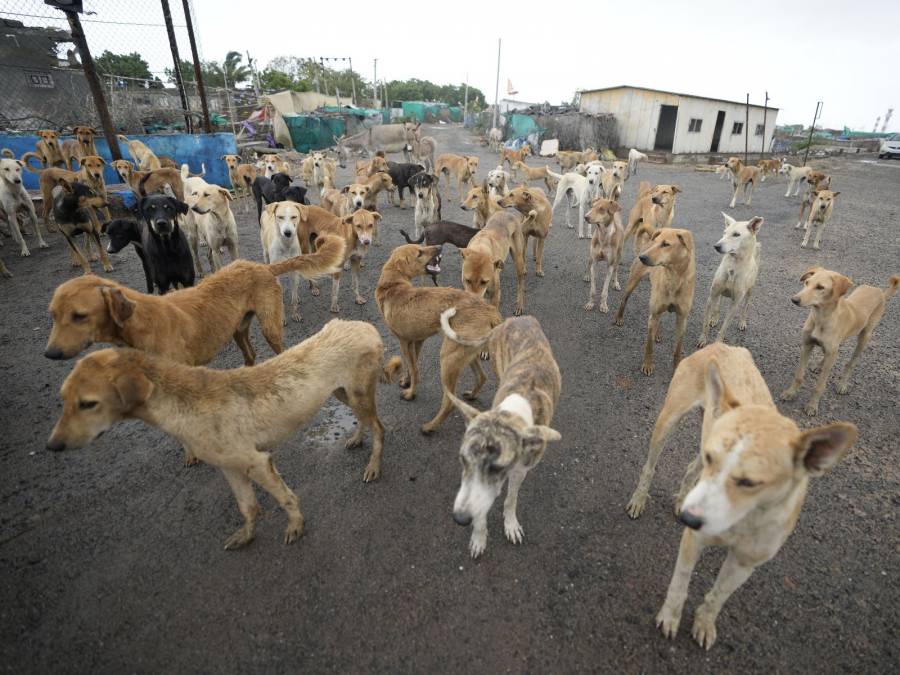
497	87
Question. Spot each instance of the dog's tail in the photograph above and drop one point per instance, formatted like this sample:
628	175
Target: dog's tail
553	174
893	283
186	171
446	315
412	241
122	138
328	259
391	370
6	152
28	167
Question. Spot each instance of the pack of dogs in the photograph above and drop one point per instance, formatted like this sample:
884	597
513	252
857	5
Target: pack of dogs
744	489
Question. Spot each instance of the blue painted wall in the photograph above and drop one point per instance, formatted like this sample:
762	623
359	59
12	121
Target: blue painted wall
183	148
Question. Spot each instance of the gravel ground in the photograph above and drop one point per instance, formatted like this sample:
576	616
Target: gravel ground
111	557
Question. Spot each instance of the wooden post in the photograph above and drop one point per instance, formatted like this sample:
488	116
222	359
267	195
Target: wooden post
90	74
170	29
198	78
811	129
765	111
747	129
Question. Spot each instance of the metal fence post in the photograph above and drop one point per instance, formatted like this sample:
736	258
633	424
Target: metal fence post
198	76
170	29
811	129
746	129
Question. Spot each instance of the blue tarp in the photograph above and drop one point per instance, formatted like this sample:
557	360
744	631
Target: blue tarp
183	148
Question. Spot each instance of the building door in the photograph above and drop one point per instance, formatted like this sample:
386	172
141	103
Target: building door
665	130
717	132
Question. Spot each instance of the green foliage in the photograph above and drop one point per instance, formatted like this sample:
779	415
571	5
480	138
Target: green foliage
127	65
215	74
424	90
276	80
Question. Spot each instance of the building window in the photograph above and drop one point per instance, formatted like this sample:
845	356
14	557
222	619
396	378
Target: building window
760	129
737	128
695	125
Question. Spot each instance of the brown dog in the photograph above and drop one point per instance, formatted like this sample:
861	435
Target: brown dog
190	325
80	146
241	176
513	156
606	244
822	204
90	173
525	200
150	182
461	166
413	314
832	320
744	179
653	209
568	159
482	203
768	166
233	414
47	151
526	174
670	259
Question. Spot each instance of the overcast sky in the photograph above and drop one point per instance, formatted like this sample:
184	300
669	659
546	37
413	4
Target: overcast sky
843	53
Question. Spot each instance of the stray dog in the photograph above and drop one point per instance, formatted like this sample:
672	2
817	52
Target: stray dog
623	169
819	214
423	151
744	179
73	210
233	413
150	182
768	166
428	200
612	182
526	174
190	325
579	191
653	209
90	173
506	442
634	158
413	314
482	204
215	221
269	190
484	257
796	175
461	166
735	277
47	150
832	320
372	166
513	156
754	467
495	137
80	146
670	257
443	232
497	180
606	244
568	159
278	232
14	196
345	201
143	157
240	175
535	208
400	174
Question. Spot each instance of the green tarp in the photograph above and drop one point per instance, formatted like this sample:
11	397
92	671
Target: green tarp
431	112
522	126
309	132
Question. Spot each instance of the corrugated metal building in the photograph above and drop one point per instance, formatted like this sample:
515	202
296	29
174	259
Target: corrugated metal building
665	121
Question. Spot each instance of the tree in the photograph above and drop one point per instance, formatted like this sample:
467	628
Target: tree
425	90
210	71
127	66
277	80
232	69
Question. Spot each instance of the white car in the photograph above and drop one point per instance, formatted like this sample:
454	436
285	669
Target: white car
890	147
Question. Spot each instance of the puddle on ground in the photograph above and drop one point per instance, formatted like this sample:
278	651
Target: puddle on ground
334	423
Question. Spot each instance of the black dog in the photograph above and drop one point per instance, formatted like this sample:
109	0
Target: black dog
159	242
400	173
278	188
440	233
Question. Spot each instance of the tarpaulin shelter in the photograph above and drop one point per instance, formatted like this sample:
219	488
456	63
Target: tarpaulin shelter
293	103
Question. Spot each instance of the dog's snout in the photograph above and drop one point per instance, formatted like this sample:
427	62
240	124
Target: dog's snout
18	181
718	248
644	260
655	200
461	518
690	520
796	300
54	353
56	445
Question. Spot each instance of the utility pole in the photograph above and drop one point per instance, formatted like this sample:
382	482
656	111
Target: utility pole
322	71
466	100
497	87
747	129
812	128
201	87
90	74
375	82
179	82
352	82
765	111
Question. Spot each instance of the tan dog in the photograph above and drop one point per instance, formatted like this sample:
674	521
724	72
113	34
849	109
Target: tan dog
47	150
211	206
506	442
606	244
670	257
513	156
278	226
612	182
653	209
568	159
832	320
486	253
622	167
345	201
461	166
190	325
90	173
819	214
150	182
532	202
526	174
371	167
768	166
744	179
15	198
589	155
233	414
377	182
482	203
143	157
80	146
241	177
413	314
754	467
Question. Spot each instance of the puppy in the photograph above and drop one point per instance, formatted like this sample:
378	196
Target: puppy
670	257
190	325
428	200
13	197
506	442
744	179
233	413
73	209
278	232
400	174
537	215
754	467
819	214
525	174
606	244
832	320
735	277
634	158
461	166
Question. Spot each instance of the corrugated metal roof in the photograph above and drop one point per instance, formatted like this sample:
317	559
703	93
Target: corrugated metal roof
674	93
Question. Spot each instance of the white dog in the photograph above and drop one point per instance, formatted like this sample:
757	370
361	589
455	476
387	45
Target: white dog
796	177
633	158
580	191
735	276
13	197
498	181
278	233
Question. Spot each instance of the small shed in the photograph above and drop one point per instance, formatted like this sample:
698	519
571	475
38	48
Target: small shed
666	121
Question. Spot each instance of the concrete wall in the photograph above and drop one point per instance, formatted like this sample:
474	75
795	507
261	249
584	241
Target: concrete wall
637	115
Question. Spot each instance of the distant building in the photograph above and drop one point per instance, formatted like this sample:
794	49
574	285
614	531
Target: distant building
665	121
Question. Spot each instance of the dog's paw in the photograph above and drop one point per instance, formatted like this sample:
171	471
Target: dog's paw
604	308
44	244
843	387
589	305
295	316
240	538
647	368
190	459
25	253
539	273
354	441
315	291
618	321
518	311
636	504
335	309
811	409
586	277
742	326
485	356
701	342
477	544
372	472
513	530
704	630
404	382
802	244
360	300
617	286
408	394
107	267
667	621
470	395
293	531
788	394
816	247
